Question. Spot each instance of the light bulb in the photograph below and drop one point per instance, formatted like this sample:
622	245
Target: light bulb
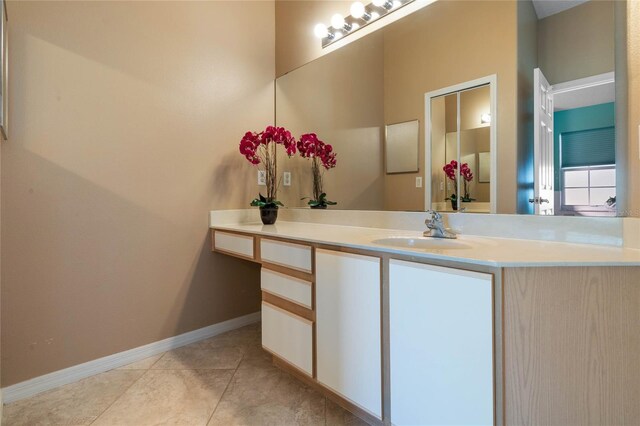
485	118
379	3
396	4
337	21
321	31
357	10
374	16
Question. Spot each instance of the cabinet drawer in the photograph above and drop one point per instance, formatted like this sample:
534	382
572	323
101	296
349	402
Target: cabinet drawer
240	245
287	287
291	255
288	336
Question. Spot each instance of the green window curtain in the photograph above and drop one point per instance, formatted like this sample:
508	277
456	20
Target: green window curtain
594	147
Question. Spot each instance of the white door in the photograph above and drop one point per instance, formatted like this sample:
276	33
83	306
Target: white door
441	345
543	145
348	342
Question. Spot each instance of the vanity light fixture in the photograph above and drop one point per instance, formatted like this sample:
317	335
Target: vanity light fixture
485	118
361	16
358	11
321	31
387	4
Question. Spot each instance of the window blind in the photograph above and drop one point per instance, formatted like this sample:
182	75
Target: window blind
593	147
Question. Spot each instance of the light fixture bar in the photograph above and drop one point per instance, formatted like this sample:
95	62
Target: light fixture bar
360	17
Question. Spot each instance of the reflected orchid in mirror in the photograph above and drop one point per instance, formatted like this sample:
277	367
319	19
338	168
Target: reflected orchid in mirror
322	156
451	171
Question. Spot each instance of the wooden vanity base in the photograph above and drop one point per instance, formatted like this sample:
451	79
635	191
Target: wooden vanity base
572	346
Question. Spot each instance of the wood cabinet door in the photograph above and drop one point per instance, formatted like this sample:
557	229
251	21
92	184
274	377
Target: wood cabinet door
441	338
348	327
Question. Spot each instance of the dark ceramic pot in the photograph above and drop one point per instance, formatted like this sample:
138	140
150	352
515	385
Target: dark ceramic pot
454	205
268	215
319	207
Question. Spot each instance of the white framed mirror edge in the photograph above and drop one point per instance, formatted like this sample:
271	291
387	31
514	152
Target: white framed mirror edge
492	81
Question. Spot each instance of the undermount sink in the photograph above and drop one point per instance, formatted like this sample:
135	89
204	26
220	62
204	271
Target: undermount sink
426	243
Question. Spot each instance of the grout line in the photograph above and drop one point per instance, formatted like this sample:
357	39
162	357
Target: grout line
325	411
157	360
225	390
119	396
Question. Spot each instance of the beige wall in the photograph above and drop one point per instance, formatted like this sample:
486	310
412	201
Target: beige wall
124	129
578	42
633	72
346	112
442	55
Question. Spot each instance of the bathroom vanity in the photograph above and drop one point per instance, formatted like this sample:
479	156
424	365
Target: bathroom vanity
400	329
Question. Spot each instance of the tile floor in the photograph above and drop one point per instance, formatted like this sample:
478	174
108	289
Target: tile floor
224	380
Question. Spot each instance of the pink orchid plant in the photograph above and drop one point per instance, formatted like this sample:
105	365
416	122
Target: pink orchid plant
322	158
260	148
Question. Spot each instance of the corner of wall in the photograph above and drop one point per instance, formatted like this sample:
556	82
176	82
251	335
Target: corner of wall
527	60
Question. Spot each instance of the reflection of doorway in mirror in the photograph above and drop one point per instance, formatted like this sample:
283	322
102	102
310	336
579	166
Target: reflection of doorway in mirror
584	146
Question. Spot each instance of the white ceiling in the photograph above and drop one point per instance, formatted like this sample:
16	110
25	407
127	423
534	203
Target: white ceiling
546	8
585	97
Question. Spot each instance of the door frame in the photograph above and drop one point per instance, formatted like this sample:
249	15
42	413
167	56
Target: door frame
492	81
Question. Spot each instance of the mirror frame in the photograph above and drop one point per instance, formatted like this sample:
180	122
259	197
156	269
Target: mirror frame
492	81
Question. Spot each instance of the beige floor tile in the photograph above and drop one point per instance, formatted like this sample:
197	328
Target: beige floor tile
74	404
143	364
168	397
249	336
268	396
337	416
256	357
200	356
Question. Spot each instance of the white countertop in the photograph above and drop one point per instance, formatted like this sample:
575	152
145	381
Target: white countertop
479	250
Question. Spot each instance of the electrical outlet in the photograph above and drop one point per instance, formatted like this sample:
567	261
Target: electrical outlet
286	178
419	182
262	178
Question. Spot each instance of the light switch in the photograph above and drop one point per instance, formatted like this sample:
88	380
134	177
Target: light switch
262	178
286	179
419	182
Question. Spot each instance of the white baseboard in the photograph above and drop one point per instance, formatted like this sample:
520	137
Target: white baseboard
77	372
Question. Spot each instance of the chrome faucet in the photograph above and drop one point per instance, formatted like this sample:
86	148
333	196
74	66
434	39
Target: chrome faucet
436	227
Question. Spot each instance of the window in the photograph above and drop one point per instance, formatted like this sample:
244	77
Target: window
588	188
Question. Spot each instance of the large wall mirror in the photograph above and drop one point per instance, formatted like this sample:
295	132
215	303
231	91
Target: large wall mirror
547	146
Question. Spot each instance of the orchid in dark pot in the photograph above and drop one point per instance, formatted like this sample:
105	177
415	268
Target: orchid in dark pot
261	148
322	158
